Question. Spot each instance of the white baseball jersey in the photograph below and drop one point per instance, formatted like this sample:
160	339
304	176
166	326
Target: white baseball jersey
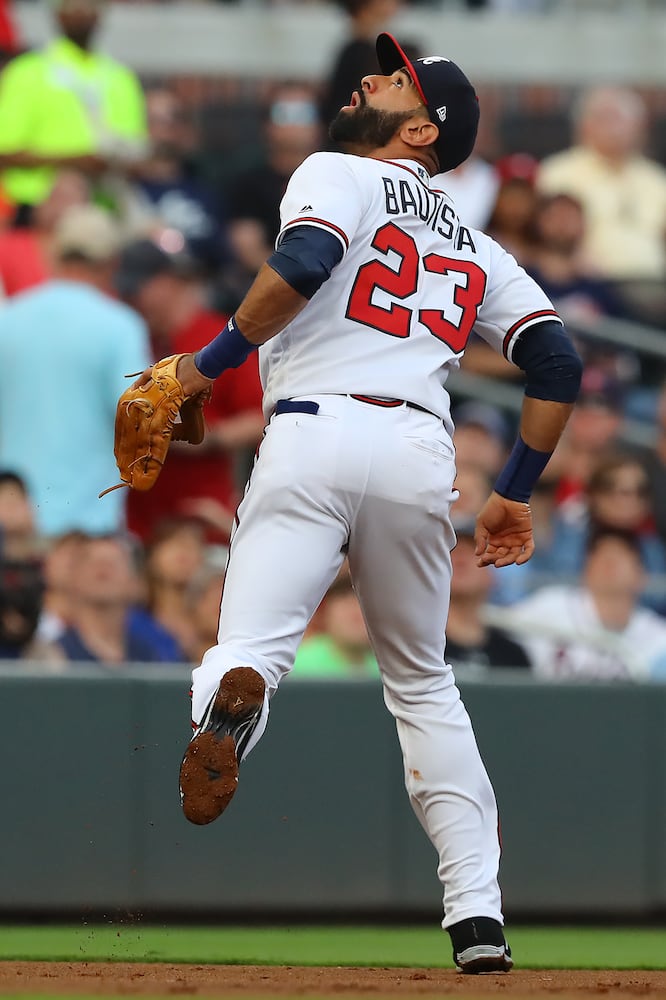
362	332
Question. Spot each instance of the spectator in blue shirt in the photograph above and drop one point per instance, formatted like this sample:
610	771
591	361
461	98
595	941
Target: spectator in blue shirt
70	346
103	628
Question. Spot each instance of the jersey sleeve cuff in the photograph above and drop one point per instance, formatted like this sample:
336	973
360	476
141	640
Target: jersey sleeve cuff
523	324
309	220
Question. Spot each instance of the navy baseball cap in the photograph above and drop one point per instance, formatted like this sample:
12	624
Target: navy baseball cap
447	94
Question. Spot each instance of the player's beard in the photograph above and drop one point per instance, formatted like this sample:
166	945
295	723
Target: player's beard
366	127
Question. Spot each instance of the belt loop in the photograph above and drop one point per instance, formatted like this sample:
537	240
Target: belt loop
296	406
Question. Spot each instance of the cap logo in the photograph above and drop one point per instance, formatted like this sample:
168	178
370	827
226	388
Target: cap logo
441	113
429	60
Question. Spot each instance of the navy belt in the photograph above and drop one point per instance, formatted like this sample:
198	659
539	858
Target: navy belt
309	405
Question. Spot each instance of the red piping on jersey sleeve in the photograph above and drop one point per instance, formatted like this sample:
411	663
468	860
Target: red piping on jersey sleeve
530	318
305	219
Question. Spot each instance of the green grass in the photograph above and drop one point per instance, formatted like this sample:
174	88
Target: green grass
533	947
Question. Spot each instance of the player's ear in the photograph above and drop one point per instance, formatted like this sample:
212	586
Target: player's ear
419	132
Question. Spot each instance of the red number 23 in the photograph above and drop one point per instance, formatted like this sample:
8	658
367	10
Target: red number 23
401	283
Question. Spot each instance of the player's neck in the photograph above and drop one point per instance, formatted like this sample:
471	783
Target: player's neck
400	151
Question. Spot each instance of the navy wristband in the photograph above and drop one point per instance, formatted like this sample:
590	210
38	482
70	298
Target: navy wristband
228	350
521	472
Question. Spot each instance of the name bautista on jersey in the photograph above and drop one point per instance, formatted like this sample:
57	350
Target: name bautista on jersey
403	198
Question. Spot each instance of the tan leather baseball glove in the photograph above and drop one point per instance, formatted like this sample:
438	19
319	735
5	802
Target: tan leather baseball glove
148	418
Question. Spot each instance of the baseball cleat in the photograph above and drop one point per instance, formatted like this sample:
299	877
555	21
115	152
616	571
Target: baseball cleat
209	771
479	946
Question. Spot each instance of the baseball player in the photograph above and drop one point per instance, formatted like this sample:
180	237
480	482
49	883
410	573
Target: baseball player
360	314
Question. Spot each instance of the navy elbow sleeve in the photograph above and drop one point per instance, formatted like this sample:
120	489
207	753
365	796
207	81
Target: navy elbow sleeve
305	258
552	366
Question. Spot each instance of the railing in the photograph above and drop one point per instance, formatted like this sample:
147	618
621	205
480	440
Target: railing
510	397
641	339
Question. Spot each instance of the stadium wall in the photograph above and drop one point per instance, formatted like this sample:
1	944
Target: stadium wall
321	823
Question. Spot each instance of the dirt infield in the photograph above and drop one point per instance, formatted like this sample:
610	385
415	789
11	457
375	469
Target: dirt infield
129	979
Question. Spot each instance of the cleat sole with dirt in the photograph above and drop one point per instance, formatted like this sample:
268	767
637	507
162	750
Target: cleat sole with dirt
209	770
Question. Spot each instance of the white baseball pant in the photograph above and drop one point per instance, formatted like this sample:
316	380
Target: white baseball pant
377	483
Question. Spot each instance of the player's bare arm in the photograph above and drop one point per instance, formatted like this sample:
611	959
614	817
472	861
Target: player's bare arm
504	525
269	305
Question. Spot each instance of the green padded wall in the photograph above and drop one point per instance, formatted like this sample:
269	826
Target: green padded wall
321	822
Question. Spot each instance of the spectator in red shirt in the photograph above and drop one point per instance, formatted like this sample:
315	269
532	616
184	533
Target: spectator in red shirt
197	482
26	251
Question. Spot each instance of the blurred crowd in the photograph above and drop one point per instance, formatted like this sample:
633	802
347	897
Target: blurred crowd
117	247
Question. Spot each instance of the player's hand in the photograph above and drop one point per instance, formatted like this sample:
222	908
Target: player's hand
189	376
503	533
191	379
